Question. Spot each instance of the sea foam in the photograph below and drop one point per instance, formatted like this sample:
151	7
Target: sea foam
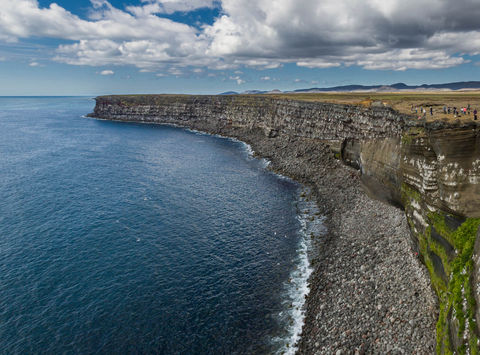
297	287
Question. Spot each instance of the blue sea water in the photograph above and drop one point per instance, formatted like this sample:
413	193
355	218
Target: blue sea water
130	238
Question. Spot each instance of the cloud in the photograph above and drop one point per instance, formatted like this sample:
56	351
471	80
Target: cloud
265	78
317	63
331	33
175	71
170	6
110	37
238	79
403	59
107	72
34	64
261	34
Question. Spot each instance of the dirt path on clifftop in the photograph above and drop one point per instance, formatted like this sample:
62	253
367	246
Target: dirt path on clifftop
369	292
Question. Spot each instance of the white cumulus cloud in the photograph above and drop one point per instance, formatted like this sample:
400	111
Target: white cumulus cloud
373	34
330	33
107	72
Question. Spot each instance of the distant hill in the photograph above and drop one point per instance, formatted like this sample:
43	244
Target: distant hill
250	92
398	87
275	91
461	85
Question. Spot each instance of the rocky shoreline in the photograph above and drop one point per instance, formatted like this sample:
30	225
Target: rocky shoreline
369	293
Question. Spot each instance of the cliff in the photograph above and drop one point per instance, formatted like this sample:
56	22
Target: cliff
432	171
288	117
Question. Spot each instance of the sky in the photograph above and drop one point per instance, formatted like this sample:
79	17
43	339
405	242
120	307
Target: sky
94	47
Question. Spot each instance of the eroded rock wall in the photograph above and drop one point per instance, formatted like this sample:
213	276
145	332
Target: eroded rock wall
294	118
434	175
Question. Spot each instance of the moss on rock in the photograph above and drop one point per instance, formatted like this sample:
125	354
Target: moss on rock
456	325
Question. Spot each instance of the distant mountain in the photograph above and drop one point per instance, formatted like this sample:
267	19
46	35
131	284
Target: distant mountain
397	87
275	91
461	85
249	92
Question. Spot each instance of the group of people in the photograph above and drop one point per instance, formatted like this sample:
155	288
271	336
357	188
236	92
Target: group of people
447	110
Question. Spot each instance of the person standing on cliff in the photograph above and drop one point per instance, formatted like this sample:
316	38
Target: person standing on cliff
431	111
475	114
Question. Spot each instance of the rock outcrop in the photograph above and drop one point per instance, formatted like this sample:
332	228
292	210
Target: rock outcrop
432	171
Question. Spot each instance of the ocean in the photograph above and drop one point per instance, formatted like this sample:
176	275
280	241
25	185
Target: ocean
135	238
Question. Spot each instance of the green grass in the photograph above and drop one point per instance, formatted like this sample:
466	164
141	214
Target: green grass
457	294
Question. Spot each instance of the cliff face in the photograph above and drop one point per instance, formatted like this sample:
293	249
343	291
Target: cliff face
434	175
292	118
441	164
431	171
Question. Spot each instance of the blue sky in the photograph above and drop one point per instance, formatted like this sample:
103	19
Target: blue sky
93	47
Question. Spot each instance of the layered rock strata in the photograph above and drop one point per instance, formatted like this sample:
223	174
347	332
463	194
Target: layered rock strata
431	171
287	117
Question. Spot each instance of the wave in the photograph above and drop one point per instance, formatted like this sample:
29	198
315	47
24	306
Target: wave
297	287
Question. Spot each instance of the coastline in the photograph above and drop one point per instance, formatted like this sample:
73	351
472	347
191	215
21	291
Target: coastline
369	293
297	288
312	226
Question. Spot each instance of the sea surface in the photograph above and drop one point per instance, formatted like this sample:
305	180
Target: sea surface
133	238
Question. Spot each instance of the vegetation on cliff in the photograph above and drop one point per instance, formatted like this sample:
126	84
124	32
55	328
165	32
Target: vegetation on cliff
452	278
